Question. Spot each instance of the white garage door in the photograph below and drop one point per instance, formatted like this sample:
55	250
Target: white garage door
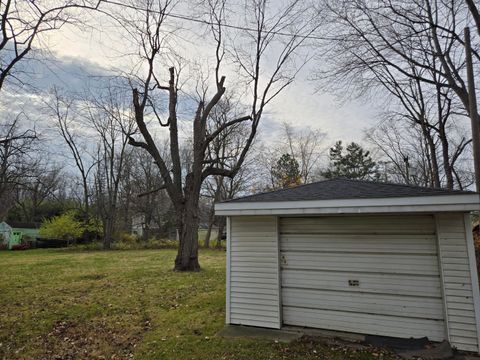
368	274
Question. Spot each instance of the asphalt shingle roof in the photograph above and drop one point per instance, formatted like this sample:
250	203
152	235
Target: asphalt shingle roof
346	189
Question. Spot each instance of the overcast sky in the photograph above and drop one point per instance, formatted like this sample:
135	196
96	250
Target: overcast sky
77	55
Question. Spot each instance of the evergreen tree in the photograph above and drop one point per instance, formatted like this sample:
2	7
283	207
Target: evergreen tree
285	172
354	163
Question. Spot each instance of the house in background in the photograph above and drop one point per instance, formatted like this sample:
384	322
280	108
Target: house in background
138	225
355	256
144	230
5	233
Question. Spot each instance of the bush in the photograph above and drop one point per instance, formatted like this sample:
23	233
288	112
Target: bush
128	238
69	226
64	227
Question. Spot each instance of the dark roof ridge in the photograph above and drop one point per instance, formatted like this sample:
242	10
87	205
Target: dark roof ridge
341	188
279	190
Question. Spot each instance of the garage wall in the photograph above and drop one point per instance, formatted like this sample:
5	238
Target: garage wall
253	285
254	298
457	280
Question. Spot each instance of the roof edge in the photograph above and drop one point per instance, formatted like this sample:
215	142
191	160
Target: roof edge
464	202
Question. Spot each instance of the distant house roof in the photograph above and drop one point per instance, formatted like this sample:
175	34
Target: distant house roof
346	189
4	225
342	196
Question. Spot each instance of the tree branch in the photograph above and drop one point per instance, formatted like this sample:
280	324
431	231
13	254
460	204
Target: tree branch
162	187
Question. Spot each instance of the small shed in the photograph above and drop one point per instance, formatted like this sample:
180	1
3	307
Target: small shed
356	256
5	233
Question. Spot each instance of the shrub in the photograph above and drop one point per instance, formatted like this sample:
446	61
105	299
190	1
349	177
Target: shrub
65	226
71	225
92	226
128	238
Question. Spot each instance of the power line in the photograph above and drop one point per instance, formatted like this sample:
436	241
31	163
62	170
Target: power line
206	22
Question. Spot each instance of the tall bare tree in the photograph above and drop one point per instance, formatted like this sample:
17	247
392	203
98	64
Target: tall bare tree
413	51
62	109
112	120
263	83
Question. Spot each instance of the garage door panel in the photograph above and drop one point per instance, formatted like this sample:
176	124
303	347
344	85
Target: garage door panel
338	261
428	308
364	323
359	224
369	283
419	244
392	260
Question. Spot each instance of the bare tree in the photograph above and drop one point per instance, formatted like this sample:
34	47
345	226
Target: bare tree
413	51
264	86
63	111
22	22
16	147
227	146
404	152
41	185
112	120
150	205
306	146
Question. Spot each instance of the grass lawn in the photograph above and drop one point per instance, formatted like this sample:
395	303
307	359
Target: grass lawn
64	304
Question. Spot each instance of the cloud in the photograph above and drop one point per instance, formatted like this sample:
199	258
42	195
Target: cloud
301	106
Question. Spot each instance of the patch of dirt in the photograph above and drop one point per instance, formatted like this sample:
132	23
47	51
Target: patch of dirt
94	340
349	350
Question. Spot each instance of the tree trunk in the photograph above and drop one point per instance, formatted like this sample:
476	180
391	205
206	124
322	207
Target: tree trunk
211	219
109	227
447	168
147	221
187	226
431	153
221	227
86	203
108	233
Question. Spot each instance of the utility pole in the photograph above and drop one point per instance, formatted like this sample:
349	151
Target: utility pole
472	108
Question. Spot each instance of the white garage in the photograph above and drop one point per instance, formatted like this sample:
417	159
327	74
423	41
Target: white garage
355	256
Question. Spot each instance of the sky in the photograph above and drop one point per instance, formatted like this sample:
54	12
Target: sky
76	57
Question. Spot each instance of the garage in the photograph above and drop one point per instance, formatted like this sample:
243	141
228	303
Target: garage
355	256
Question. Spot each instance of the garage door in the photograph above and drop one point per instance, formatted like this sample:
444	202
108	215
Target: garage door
368	274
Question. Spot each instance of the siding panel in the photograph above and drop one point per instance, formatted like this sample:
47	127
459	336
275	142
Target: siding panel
457	281
254	277
368	323
371	283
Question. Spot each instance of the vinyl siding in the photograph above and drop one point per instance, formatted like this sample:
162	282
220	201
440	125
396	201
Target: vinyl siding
457	281
394	259
254	272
